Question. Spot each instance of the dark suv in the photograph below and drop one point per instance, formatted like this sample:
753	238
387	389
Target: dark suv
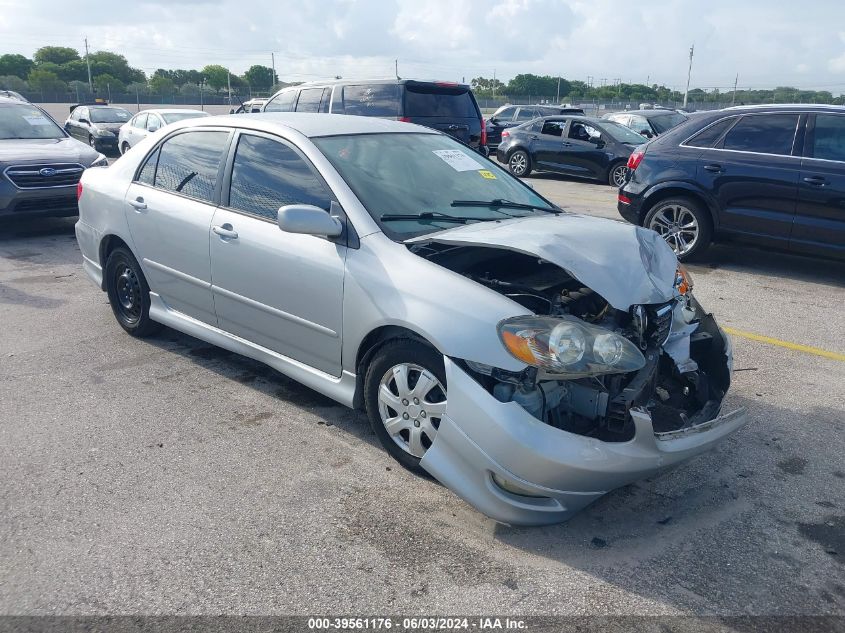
772	175
444	106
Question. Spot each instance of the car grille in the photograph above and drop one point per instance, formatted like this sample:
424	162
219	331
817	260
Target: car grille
659	322
44	176
48	205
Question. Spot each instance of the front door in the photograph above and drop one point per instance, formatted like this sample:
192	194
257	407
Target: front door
819	227
282	291
753	174
169	208
581	153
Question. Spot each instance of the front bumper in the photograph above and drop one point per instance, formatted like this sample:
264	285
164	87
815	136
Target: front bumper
47	201
480	437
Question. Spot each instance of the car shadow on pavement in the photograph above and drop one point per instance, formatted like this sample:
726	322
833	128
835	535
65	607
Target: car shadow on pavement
16	228
765	504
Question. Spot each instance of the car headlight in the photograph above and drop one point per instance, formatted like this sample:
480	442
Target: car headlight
102	161
683	280
104	133
568	346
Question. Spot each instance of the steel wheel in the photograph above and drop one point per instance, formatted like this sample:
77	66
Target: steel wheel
617	175
411	402
518	163
678	225
128	288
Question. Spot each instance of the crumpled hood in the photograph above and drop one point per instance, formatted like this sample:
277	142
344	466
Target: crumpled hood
46	150
625	264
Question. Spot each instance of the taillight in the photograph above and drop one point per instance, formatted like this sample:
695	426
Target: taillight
405	119
635	158
483	131
78	190
623	199
505	134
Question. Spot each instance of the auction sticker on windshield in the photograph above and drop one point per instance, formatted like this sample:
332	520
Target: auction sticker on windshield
489	175
457	160
36	120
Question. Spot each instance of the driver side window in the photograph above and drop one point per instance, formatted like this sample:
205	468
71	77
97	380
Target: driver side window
578	131
553	128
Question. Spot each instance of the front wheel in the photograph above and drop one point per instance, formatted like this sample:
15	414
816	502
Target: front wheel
405	397
519	163
129	294
683	223
616	175
92	141
124	147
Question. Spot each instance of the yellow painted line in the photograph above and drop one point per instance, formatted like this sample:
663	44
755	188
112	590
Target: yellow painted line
807	349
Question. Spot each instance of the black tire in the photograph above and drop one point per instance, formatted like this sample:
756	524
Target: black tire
124	148
680	207
129	294
516	160
92	141
616	174
392	354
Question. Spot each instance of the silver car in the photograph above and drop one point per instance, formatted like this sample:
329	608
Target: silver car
148	121
529	359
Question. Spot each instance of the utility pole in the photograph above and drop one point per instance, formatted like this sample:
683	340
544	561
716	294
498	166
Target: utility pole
603	82
396	67
736	81
689	73
494	83
229	84
557	98
88	62
273	77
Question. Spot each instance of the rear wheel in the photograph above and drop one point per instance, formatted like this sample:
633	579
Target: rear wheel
92	141
683	223
405	397
519	163
129	294
616	174
124	147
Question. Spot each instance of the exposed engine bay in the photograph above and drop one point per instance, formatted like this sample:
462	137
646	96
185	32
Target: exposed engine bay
682	383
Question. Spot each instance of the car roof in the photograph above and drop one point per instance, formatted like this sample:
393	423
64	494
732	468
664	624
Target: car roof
650	112
353	82
310	124
170	110
772	107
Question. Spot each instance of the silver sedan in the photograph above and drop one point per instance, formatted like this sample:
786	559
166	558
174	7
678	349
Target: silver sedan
529	359
148	121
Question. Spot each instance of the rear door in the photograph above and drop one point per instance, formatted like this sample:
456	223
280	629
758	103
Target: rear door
819	227
548	142
169	207
450	108
753	174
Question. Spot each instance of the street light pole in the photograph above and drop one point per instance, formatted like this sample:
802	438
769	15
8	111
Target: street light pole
88	62
689	73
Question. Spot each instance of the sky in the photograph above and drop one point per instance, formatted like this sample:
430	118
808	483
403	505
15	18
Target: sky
767	43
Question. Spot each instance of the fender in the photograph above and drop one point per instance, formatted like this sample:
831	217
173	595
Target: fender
682	186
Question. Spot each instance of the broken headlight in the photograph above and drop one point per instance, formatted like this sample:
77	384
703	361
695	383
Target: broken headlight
569	347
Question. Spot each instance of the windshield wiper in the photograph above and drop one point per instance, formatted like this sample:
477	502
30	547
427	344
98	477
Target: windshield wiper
433	215
501	202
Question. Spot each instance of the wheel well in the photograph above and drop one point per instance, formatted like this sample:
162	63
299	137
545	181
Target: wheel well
107	245
371	343
675	192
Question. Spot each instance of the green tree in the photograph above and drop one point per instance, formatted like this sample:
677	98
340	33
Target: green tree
535	85
260	77
45	81
114	64
14	64
74	70
107	83
137	87
13	82
80	88
162	85
216	76
55	54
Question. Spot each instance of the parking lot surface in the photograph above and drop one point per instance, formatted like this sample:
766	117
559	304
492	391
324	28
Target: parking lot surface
168	476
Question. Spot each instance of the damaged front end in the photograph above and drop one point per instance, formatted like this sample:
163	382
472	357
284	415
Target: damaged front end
590	364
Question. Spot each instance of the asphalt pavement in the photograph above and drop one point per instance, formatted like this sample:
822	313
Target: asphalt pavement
166	476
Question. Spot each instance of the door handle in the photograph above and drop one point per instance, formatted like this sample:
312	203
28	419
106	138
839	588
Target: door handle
716	169
533	137
815	181
226	232
138	204
567	144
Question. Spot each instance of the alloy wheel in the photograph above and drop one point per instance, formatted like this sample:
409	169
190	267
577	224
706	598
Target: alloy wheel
411	403
677	225
518	162
618	175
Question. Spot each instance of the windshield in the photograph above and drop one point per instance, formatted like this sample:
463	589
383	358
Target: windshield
109	115
172	117
413	174
665	122
26	121
622	134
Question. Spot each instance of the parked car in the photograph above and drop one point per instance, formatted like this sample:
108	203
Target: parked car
527	358
148	121
649	123
40	164
253	105
98	125
444	106
11	94
576	145
509	116
771	175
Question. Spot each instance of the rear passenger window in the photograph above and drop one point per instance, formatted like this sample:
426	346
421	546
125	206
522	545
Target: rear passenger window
188	164
309	100
283	102
709	135
763	134
526	114
148	171
324	104
268	174
371	100
553	128
829	137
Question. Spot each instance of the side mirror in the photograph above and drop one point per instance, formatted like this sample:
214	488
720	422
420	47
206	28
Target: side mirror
646	133
494	120
231	110
86	121
309	220
152	128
